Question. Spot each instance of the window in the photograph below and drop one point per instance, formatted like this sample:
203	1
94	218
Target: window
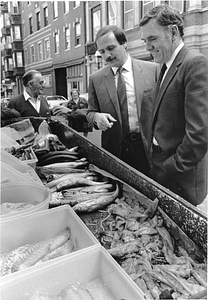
15	7
77	33
38	20
14	60
128	14
26	56
55	9
6	19
147	5
45	15
10	63
179	5
16	33
30	25
67	38
47	49
76	3
56	42
47	79
111	12
19	59
40	51
23	29
66	6
96	19
36	4
32	54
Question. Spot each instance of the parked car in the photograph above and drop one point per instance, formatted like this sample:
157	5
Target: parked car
55	100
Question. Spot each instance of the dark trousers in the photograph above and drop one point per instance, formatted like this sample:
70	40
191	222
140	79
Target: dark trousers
133	153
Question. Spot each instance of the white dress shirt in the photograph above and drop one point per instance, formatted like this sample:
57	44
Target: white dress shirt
127	73
168	64
35	102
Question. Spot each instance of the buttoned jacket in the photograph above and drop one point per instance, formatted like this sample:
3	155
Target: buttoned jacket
26	109
103	98
180	120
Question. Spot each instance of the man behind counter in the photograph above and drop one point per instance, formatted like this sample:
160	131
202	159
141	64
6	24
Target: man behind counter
31	103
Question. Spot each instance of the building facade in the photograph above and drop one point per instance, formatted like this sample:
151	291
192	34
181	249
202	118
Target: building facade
57	37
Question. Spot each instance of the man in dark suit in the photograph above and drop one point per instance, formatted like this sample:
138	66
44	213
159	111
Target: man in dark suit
30	103
177	135
121	135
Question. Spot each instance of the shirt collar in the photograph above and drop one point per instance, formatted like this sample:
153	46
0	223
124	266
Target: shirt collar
173	56
127	66
28	97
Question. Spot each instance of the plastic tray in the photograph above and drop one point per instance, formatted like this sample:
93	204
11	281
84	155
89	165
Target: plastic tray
83	267
20	166
43	225
17	192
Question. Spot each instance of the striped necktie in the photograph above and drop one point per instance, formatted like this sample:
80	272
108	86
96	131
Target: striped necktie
122	96
162	72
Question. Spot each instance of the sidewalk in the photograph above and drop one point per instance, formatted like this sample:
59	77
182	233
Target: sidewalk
95	137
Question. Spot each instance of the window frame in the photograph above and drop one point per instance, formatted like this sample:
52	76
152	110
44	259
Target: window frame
66	39
30	25
77	35
45	16
32	53
38	21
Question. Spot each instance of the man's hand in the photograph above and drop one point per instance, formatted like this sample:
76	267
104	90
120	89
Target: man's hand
61	110
104	121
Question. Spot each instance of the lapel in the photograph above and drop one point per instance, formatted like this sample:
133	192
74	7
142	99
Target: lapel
169	76
111	88
138	84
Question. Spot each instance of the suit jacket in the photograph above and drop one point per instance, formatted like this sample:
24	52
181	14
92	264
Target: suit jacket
180	122
26	109
103	98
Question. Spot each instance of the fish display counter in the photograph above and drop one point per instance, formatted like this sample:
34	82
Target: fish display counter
158	238
188	218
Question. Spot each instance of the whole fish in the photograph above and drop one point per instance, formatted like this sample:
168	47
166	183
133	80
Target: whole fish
101	188
68	177
74	183
73	200
81	163
97	203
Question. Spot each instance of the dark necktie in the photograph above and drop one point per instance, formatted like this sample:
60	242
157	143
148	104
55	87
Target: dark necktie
162	72
122	96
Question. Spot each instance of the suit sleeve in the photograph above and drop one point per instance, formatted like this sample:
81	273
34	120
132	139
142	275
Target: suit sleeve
93	104
194	144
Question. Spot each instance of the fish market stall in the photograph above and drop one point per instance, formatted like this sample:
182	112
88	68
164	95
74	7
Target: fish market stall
159	239
192	221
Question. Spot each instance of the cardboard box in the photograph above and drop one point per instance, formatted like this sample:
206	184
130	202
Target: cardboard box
83	266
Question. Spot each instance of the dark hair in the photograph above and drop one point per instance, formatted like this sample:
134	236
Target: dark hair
29	75
117	31
165	16
73	90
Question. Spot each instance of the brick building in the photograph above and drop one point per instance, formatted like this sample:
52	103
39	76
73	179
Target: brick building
57	37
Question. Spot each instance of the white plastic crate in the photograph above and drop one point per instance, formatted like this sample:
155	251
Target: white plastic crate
44	225
83	266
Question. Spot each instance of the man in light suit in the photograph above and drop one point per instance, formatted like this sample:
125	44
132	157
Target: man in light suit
178	133
104	111
31	103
